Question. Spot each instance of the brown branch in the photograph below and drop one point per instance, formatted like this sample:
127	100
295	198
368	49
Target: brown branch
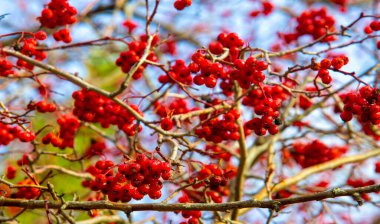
63	170
271	204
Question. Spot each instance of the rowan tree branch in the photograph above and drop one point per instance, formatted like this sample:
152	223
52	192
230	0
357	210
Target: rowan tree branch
271	204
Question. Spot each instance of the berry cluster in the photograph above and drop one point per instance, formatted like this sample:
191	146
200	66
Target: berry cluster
24	160
26	192
179	72
11	172
266	102
336	64
220	128
373	26
91	107
177	106
63	35
249	72
68	125
181	4
361	183
377	167
136	49
8	133
28	47
211	71
58	13
365	105
6	67
42	106
207	72
315	152
313	22
133	180
266	9
214	181
192	216
96	148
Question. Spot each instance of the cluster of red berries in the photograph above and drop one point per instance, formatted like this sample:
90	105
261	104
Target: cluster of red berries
68	125
214	181
59	13
266	102
63	35
218	153
365	105
26	192
246	72
42	106
336	64
24	160
133	180
361	183
96	148
315	23
11	172
373	26
315	152
266	9
220	128
28	47
179	72
177	106
377	167
136	49
249	72
181	4
192	216
6	67
227	40
92	107
209	71
8	133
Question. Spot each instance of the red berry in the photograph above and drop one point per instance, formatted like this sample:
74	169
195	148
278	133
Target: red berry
167	124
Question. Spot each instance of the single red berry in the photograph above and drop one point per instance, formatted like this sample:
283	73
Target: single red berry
346	116
325	63
167	124
368	30
40	35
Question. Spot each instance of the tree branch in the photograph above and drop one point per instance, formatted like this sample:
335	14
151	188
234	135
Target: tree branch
271	204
